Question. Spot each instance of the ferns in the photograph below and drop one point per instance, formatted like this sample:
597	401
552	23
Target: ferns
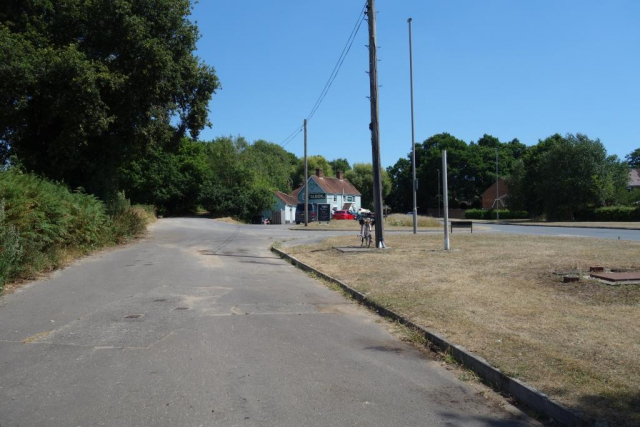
40	220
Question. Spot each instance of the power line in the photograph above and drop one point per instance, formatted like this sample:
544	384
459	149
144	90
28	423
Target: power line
332	76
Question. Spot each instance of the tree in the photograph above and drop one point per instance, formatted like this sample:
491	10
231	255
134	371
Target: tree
576	173
314	162
272	163
86	85
361	176
340	165
633	159
233	187
170	181
400	197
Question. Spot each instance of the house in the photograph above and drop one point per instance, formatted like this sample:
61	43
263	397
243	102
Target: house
491	200
283	210
338	192
634	178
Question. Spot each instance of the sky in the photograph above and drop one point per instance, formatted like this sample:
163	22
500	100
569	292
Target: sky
508	68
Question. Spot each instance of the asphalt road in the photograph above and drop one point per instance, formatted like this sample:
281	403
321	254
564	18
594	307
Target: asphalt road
598	233
199	324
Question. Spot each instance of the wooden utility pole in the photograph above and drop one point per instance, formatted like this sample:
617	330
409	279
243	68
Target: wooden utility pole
306	178
375	126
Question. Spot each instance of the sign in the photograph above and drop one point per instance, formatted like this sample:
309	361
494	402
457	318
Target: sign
324	212
317	196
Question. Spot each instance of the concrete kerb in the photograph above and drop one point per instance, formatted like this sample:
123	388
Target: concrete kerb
529	396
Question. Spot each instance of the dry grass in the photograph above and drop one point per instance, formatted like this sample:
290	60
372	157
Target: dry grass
498	297
399	220
395	222
230	220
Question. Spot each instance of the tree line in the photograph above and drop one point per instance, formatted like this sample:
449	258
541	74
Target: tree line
556	178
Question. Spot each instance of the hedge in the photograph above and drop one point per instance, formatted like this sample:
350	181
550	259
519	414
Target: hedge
609	213
493	214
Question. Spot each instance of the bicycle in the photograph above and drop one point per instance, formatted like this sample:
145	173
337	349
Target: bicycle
365	235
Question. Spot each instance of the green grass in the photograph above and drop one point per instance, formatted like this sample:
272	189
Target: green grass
43	224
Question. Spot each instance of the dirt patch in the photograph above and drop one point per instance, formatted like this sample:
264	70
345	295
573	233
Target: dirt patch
498	296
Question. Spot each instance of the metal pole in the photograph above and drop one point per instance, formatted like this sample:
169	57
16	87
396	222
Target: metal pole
438	193
413	139
375	129
446	200
306	178
497	188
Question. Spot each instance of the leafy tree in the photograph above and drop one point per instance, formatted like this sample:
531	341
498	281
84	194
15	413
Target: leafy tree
576	173
170	181
314	162
86	85
340	165
633	159
361	176
273	164
233	187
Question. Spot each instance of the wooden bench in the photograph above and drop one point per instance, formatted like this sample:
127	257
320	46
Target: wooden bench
461	224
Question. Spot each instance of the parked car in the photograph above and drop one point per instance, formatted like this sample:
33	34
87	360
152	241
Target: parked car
343	215
313	212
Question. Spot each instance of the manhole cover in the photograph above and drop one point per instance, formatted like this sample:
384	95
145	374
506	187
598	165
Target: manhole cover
133	316
618	277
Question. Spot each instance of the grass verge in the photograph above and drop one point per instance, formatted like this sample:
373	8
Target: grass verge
498	296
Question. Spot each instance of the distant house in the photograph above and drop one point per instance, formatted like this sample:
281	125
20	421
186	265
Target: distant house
634	178
284	207
491	200
338	192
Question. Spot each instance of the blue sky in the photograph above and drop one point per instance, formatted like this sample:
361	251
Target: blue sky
508	68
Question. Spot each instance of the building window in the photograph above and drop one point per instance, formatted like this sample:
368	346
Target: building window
349	198
335	197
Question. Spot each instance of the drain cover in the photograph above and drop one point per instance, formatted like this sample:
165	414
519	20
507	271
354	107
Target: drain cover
133	316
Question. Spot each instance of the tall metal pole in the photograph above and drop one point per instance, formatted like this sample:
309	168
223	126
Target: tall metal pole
375	126
438	193
446	200
413	139
306	178
497	188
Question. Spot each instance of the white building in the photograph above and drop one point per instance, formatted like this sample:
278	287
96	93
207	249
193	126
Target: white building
338	192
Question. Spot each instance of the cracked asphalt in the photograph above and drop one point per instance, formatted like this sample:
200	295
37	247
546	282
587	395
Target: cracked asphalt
199	324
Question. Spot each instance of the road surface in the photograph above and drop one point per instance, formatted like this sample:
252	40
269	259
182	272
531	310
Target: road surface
199	324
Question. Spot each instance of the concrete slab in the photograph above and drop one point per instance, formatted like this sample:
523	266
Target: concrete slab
631	277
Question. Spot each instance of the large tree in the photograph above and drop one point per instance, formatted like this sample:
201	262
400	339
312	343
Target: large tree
85	85
633	158
361	176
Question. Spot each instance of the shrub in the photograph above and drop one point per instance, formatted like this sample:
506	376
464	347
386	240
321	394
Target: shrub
41	221
493	214
610	213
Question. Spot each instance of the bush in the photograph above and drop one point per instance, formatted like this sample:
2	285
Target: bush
493	214
41	221
610	213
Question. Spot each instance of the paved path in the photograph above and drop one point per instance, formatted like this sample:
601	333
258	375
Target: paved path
200	325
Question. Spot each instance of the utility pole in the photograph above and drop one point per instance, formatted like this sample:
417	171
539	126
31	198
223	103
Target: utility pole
446	200
413	139
375	126
306	179
497	188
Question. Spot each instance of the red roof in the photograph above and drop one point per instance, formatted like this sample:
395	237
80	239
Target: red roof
297	191
336	186
285	198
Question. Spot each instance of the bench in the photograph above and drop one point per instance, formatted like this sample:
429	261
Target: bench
461	224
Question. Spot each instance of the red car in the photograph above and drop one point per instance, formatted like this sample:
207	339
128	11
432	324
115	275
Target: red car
343	215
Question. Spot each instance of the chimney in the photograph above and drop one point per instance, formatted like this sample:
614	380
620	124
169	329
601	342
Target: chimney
319	173
339	175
